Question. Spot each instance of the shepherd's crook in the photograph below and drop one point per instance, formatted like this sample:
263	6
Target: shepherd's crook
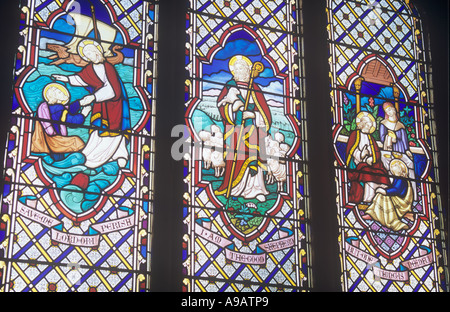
257	68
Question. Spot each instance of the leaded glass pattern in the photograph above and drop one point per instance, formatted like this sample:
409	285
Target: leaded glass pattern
248	232
77	201
391	220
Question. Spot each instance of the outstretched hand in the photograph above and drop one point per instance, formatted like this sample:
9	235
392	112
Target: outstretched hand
248	115
88	99
86	110
230	98
60	78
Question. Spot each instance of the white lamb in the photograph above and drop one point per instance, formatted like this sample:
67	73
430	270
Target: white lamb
217	158
271	147
276	150
205	136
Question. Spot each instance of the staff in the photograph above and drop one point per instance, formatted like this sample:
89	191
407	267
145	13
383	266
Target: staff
257	68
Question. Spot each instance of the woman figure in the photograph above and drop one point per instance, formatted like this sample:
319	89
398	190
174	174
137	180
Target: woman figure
393	203
392	131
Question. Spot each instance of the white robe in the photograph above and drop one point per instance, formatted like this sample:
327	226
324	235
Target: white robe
102	149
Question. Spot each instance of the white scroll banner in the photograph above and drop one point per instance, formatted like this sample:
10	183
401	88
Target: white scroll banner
33	214
398	276
360	254
37	216
280	244
75	239
211	236
114	225
419	262
245	258
286	241
371	260
425	258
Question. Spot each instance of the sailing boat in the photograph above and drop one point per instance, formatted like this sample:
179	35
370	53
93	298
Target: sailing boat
84	25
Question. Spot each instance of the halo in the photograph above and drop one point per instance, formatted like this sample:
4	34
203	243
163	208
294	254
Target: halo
401	163
60	87
366	114
236	58
387	104
86	42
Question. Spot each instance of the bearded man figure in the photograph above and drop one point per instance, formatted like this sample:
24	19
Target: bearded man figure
110	110
247	120
364	159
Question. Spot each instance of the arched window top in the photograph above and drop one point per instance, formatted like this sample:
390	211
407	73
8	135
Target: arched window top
385	147
246	176
79	159
385	28
273	219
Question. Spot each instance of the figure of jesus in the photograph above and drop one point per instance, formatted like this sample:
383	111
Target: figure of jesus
110	112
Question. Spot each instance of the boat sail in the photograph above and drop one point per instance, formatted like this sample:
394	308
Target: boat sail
84	25
105	34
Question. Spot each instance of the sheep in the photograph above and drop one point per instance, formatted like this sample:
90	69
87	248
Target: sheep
276	149
212	151
217	158
205	136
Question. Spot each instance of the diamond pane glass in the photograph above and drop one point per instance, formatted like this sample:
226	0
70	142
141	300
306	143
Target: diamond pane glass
390	215
77	200
246	200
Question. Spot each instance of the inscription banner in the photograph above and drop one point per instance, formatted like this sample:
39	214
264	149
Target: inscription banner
31	213
287	240
425	258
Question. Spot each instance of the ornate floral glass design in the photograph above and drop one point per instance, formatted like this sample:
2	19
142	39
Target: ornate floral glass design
385	149
246	211
77	201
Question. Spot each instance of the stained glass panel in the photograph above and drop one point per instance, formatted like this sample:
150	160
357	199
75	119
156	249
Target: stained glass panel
389	207
246	198
77	201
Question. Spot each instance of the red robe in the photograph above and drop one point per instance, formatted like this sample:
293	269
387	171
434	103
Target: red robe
249	149
364	172
107	114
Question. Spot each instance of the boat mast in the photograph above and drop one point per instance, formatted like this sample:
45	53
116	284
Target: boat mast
94	20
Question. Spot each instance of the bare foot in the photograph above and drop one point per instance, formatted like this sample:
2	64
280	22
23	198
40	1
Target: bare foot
366	217
409	216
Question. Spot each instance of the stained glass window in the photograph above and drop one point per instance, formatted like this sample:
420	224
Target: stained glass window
384	138
239	204
246	176
76	207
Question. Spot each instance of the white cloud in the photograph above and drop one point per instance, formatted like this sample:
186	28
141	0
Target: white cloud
212	92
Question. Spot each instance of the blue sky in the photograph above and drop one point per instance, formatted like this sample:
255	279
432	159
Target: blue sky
239	43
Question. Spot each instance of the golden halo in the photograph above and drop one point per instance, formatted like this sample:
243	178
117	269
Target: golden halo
402	165
236	58
86	42
366	114
58	86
